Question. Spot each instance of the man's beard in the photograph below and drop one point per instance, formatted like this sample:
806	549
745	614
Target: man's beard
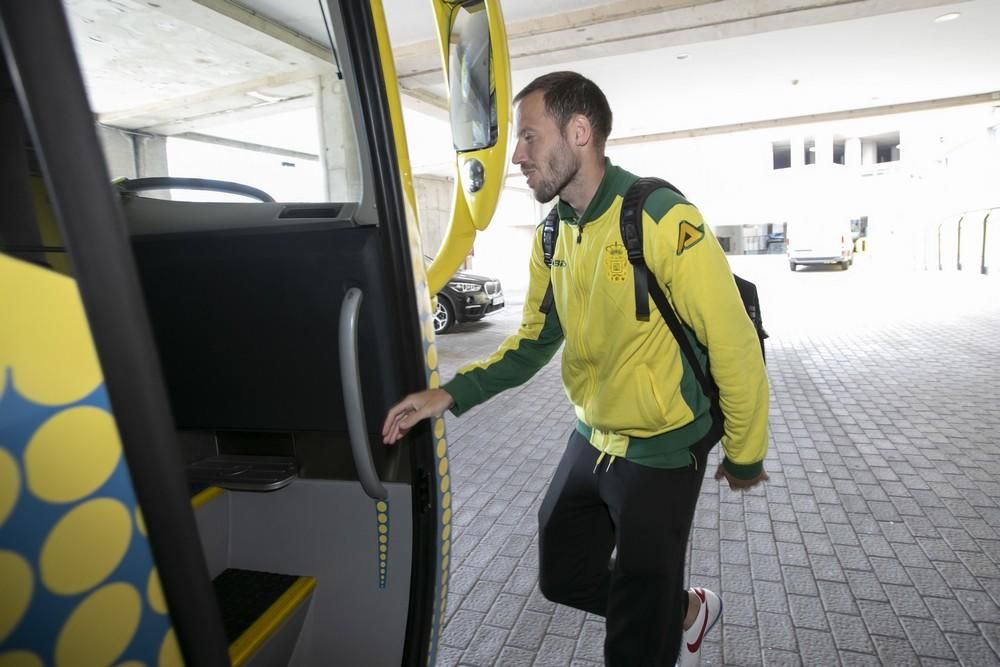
563	168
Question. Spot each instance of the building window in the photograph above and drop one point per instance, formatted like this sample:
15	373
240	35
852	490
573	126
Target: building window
809	148
880	148
840	151
782	154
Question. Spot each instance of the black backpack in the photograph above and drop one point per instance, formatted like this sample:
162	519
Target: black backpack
631	231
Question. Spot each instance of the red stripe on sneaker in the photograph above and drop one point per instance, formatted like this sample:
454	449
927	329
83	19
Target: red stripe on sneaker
704	624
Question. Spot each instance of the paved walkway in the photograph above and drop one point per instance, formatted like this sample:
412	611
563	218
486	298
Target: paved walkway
877	540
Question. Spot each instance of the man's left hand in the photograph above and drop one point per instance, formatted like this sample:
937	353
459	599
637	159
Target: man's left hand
737	484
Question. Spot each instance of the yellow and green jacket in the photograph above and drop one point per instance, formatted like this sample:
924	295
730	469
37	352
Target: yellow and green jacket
634	392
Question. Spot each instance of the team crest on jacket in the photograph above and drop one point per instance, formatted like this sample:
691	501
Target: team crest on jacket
615	262
689	235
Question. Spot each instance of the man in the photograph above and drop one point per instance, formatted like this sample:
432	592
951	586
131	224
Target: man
633	467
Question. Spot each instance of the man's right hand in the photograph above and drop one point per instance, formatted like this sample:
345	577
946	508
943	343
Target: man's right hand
408	412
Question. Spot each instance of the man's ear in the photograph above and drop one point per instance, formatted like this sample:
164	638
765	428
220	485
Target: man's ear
580	130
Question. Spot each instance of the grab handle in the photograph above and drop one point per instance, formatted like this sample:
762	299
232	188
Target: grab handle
350	378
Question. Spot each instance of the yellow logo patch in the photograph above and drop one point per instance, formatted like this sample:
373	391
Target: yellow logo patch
689	235
615	262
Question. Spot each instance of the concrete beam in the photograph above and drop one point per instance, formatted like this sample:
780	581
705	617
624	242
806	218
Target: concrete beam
847	114
630	26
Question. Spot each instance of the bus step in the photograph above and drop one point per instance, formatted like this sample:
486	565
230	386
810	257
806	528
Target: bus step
244	473
262	613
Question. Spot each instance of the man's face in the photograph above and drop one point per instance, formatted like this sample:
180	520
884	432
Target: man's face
542	152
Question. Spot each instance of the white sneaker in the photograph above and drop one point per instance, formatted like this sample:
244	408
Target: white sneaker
708	615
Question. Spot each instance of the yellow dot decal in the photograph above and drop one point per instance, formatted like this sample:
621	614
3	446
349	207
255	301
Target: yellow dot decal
446	517
442	448
10	485
439	428
72	454
383	529
443	467
20	659
52	356
444	564
445	483
428	329
435	380
17	585
445	548
140	522
131	663
383	548
432	355
85	546
446	501
381	506
382	518
88	638
154	593
170	652
446	533
383	539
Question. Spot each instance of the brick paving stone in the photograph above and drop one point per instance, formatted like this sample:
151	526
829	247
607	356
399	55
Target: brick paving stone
776	631
927	639
849	633
515	657
778	658
816	647
895	651
485	646
555	651
505	610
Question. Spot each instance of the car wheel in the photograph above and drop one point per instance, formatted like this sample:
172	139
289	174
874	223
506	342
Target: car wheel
792	265
444	317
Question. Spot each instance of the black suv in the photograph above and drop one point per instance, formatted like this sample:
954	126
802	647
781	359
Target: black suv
466	298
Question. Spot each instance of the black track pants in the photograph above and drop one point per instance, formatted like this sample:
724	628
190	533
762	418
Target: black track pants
646	513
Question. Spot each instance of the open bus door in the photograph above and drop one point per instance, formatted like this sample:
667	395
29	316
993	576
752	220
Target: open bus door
191	393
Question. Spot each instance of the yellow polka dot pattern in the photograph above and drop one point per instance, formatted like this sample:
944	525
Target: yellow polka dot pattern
382	517
77	581
72	454
16	582
85	546
89	638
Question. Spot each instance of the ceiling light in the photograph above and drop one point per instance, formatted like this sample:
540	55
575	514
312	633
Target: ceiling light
682	56
950	16
812	149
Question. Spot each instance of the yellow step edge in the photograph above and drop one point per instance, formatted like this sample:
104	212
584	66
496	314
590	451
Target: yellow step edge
206	496
241	650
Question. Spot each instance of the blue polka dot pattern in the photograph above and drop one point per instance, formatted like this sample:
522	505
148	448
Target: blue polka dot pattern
31	521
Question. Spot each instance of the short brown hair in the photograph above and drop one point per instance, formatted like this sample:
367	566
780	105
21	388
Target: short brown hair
570	93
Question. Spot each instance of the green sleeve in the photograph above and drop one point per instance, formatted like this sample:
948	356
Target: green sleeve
520	356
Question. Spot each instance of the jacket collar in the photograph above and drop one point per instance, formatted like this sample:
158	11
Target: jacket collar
615	182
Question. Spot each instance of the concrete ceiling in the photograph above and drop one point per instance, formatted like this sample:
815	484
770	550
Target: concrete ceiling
669	67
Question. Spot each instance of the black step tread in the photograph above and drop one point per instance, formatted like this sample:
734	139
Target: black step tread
246	594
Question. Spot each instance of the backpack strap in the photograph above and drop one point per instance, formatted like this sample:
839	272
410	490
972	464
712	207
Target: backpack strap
550	232
631	231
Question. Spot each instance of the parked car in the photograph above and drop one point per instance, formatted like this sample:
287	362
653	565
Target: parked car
466	298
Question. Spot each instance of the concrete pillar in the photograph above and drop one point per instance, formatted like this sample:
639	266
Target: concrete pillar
852	152
151	156
869	151
338	144
798	152
119	152
433	209
824	148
